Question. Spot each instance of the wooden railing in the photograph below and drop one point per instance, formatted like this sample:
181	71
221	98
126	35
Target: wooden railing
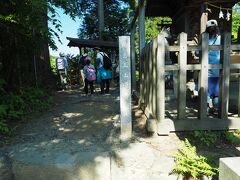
152	88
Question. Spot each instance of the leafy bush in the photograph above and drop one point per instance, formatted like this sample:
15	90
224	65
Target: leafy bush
189	164
15	105
206	137
233	136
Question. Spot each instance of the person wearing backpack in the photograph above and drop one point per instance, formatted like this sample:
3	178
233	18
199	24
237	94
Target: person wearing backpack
90	76
104	73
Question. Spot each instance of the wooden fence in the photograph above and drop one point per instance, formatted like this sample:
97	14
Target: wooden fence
152	88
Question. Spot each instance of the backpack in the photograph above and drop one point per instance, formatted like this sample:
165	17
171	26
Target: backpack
91	75
107	63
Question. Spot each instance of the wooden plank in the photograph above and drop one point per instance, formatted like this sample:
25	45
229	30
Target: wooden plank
146	62
154	75
174	67
203	86
235	47
150	60
239	95
224	85
169	125
198	48
182	61
234	66
160	63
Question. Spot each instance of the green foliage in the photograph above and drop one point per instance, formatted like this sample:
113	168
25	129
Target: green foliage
233	136
116	19
235	21
10	18
73	69
190	164
153	26
53	64
25	38
14	106
206	137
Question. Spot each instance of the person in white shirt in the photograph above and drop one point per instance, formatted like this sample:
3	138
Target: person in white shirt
62	66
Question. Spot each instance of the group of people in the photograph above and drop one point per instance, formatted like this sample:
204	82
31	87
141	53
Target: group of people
102	74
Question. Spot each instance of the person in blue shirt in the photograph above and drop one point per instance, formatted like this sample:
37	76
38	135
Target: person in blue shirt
213	58
104	76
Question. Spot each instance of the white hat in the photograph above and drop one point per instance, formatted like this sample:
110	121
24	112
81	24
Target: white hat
211	23
85	55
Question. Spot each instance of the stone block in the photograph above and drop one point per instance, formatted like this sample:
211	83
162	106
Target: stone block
229	168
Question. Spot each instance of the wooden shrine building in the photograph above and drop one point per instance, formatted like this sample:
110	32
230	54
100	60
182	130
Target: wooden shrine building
188	19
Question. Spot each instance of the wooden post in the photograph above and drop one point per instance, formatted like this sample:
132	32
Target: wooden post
154	75
133	60
151	84
160	61
100	17
125	87
141	20
203	84
224	86
182	61
145	54
238	94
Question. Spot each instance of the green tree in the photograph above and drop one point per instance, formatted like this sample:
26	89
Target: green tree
24	39
235	19
116	14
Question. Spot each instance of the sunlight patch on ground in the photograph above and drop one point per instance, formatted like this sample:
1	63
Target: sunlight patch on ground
55	141
82	141
70	115
65	129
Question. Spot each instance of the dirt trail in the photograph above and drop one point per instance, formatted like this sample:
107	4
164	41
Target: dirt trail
74	116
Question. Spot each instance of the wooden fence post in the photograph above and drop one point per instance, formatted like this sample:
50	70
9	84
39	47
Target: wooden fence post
224	86
160	63
203	84
182	61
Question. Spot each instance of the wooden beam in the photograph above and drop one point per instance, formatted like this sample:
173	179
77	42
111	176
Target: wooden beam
182	61
141	21
76	42
169	125
224	85
160	61
203	79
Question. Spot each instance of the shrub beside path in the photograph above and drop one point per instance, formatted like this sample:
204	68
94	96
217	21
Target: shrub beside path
79	139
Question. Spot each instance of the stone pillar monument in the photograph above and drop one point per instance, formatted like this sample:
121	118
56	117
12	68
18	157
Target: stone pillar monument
125	87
